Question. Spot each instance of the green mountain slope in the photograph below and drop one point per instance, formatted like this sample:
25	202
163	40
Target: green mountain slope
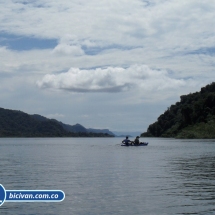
77	127
19	124
192	117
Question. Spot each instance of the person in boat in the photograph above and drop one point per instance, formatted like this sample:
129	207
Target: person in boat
137	141
126	141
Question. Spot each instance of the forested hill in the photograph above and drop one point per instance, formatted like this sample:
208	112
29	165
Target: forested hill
192	117
15	123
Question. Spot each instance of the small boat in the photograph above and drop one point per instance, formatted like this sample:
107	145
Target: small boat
141	144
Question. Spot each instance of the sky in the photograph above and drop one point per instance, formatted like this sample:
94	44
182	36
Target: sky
104	63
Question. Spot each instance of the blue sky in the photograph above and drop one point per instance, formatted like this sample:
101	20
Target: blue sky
21	43
104	64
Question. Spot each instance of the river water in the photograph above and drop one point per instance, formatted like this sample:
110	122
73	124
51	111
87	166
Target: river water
98	176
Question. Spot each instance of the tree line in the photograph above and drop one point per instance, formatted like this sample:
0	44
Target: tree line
15	123
192	117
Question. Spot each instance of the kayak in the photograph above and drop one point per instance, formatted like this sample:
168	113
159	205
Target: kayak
141	144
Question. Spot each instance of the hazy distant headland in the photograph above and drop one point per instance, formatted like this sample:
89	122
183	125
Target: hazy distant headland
192	117
14	123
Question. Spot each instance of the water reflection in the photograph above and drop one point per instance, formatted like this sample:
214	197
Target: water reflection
194	179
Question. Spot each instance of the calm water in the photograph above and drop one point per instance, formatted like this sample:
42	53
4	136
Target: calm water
100	177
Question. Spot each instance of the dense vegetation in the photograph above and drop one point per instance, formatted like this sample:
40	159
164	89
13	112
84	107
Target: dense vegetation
192	117
77	128
19	124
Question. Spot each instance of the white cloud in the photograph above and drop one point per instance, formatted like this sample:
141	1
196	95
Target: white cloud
159	24
157	28
111	79
68	49
69	46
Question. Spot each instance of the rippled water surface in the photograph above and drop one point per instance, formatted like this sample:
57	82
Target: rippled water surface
99	176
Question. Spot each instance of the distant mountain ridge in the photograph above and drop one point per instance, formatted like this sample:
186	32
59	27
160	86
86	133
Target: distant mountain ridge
77	127
105	131
14	123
